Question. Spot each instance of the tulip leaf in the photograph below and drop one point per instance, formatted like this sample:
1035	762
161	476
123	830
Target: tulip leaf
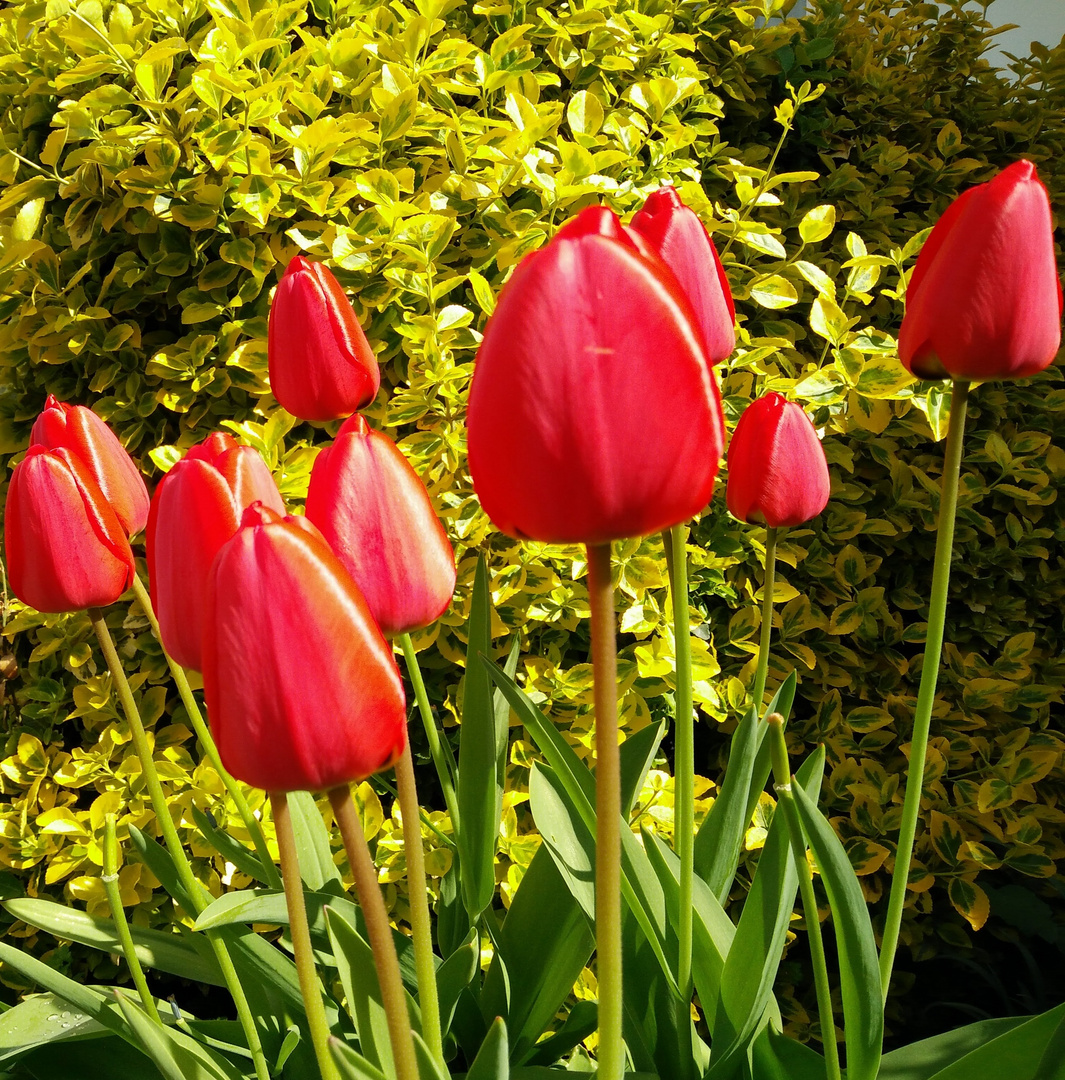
351	1064
493	1059
247	862
41	1019
455	974
922	1060
319	872
774	1056
159	862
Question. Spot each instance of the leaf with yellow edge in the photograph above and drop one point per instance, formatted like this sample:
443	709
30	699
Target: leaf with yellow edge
970	901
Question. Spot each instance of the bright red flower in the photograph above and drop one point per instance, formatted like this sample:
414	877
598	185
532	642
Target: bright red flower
302	691
65	547
197	507
984	300
321	365
777	472
375	514
83	433
593	413
675	232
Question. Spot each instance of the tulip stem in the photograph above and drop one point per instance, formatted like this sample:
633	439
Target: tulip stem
768	581
203	734
926	694
611	1053
393	996
193	888
302	951
418	893
783	780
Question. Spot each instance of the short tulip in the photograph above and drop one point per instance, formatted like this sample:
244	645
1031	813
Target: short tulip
984	300
593	413
83	433
680	239
375	513
197	507
302	690
321	365
777	472
65	548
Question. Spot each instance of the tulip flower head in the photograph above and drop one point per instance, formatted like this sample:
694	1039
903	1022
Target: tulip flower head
301	687
376	515
83	433
777	472
321	365
197	507
984	301
65	547
680	239
593	413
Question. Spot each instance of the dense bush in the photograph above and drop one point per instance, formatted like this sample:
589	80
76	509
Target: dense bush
165	160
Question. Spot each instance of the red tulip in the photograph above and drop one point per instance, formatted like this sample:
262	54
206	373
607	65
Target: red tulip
197	507
302	690
321	365
593	413
777	472
82	432
375	514
65	547
984	300
675	232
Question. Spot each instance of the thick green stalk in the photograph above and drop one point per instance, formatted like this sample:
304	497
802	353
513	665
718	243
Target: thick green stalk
118	915
203	733
782	780
193	888
302	951
611	1053
926	694
768	580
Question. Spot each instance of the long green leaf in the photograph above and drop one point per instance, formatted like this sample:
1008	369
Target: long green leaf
582	1021
454	975
352	1065
773	1056
158	860
493	1059
319	872
922	1060
246	861
89	1059
41	1019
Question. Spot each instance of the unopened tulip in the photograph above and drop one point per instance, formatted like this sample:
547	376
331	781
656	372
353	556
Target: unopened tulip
593	413
83	433
375	513
984	300
65	547
321	365
197	507
301	687
777	472
676	234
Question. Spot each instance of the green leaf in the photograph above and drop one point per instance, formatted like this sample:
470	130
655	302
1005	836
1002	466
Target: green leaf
583	1019
40	1019
352	1065
818	224
774	292
247	862
776	1057
428	1067
455	974
158	860
492	1061
319	872
922	1060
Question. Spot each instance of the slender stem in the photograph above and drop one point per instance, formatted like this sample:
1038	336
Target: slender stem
418	892
118	914
203	734
432	735
303	953
767	618
393	996
786	800
766	177
196	892
611	1054
933	650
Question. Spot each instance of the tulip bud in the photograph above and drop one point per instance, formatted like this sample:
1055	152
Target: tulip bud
83	433
593	413
197	507
65	547
984	300
321	365
675	232
302	690
777	472
375	514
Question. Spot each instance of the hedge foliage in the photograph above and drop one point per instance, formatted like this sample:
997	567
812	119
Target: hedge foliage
166	158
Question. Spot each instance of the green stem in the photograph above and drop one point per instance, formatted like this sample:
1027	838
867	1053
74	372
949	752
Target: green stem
203	733
933	650
767	618
393	996
118	914
767	176
611	1053
782	781
418	893
302	951
182	866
